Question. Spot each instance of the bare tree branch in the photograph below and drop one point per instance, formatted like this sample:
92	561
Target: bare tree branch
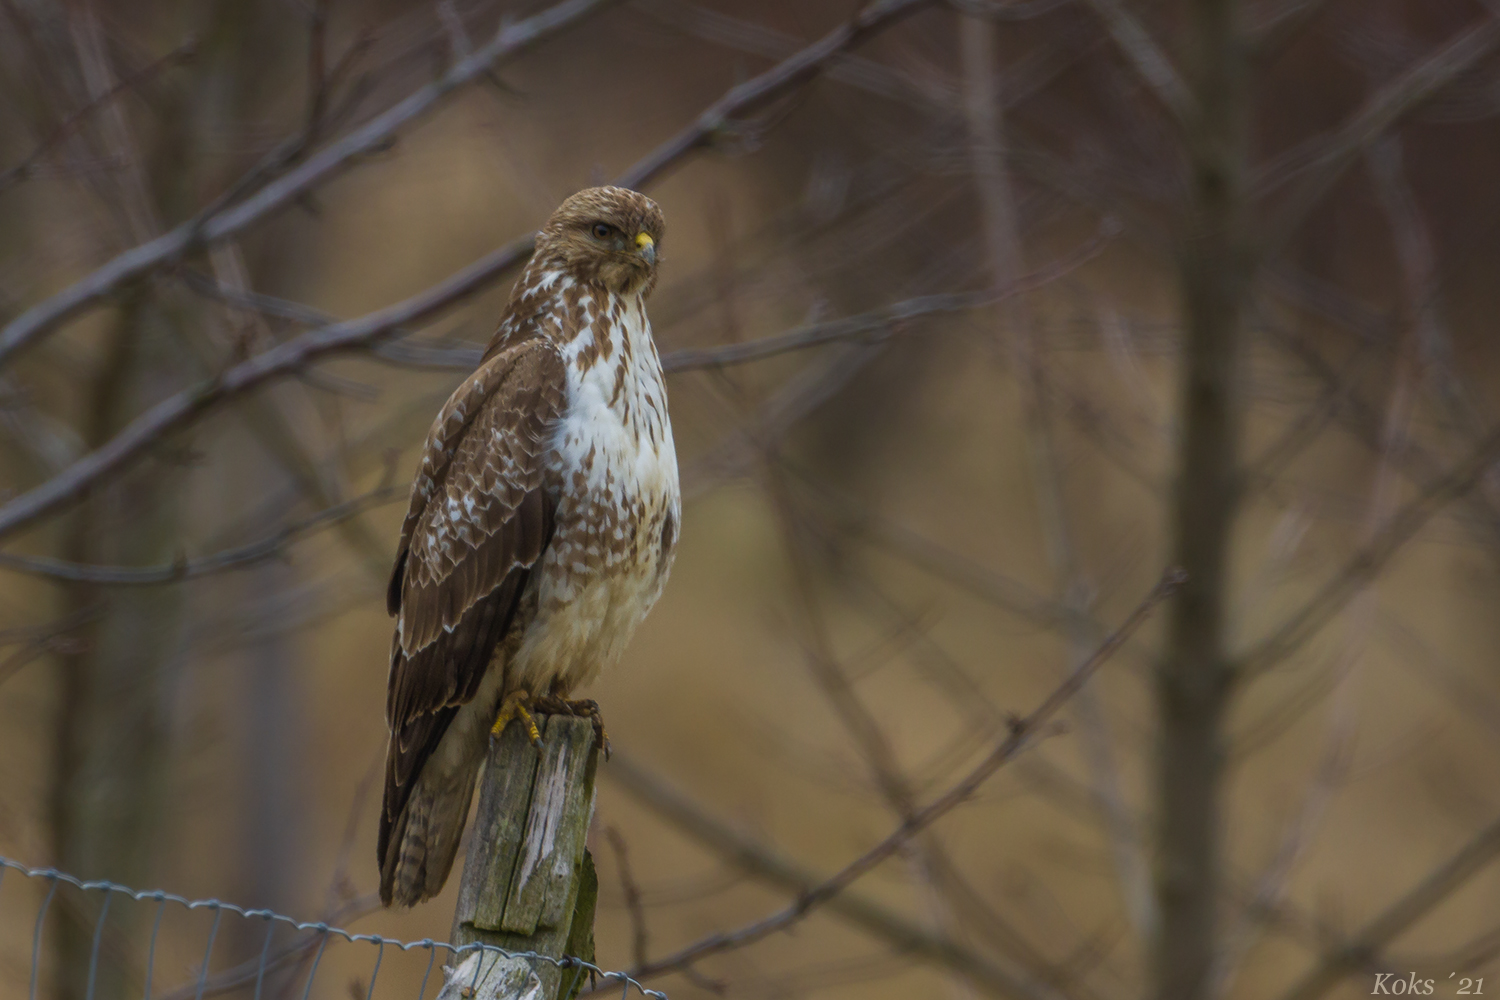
1015	329
1363	566
991	585
1360	418
871	326
180	410
884	768
1273	34
640	937
1339	738
1145	57
737	451
183	408
171	246
874	325
19	172
1333	155
757	39
408	353
1008	10
765	863
1023	732
1412	241
38	640
1440	883
189	569
717	123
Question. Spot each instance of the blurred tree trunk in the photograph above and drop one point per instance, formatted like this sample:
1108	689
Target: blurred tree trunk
270	823
1194	678
271	839
114	723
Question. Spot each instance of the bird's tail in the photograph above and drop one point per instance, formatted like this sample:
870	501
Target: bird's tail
417	850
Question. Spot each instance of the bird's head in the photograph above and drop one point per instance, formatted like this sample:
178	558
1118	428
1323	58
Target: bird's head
607	236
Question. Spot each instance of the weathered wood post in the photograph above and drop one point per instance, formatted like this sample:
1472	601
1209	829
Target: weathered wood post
528	881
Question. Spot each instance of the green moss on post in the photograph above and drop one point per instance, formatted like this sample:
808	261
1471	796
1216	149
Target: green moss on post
581	938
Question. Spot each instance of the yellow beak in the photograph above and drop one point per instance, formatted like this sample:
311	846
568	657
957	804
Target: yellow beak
647	246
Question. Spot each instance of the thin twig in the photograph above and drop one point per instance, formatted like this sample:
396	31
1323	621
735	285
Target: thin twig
640	937
220	562
874	325
52	637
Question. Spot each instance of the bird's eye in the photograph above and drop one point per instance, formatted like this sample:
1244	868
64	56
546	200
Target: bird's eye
601	231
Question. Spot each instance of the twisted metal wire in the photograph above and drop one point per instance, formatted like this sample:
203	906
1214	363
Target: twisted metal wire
218	907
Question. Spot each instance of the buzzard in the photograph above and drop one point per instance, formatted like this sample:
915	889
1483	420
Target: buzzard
541	527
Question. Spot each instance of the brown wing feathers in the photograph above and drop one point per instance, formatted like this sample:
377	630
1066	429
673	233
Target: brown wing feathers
478	521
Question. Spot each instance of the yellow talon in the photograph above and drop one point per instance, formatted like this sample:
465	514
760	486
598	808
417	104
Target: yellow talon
514	707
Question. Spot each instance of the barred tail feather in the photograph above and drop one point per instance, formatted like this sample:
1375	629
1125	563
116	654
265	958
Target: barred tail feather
419	848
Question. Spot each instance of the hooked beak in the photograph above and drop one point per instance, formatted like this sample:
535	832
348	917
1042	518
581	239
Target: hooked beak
646	246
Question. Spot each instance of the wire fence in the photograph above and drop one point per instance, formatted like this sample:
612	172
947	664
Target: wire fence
309	938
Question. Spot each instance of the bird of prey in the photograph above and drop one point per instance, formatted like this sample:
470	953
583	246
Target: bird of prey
541	528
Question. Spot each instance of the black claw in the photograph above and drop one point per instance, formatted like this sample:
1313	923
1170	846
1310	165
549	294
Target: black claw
584	708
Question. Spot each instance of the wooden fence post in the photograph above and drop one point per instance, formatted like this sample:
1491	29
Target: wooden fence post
528	881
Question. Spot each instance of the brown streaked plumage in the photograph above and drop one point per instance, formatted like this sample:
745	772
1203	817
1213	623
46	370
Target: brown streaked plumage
541	527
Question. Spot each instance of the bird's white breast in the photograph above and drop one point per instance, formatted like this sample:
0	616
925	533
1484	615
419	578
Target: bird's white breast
613	468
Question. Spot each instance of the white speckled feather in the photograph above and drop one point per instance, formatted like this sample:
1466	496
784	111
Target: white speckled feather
614	466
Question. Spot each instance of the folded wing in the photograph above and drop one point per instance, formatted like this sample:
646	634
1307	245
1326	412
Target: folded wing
478	522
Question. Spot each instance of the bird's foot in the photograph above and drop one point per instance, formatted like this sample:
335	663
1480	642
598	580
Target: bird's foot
518	705
585	708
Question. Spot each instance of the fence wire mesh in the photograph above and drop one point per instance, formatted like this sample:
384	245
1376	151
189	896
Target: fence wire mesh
308	945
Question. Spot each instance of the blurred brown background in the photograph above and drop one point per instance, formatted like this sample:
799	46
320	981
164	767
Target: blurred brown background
891	541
